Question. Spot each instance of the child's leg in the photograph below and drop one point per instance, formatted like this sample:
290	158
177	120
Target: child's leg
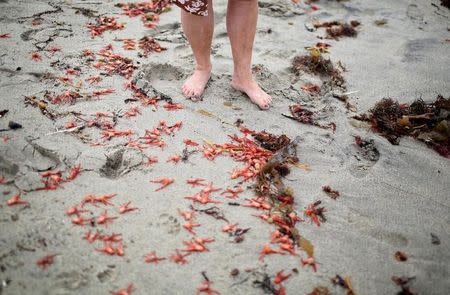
241	26
199	32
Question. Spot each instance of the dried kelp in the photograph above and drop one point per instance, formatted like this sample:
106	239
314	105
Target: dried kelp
271	142
400	256
270	187
435	239
346	100
385	116
214	211
404	282
3	113
320	290
345	283
265	284
367	149
331	192
187	153
239	234
425	121
42	105
316	64
336	29
304	116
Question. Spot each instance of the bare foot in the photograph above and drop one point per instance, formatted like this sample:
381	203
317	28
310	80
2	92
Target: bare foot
194	86
253	91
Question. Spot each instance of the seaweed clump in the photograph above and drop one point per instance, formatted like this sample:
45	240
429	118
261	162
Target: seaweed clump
308	117
426	121
404	283
336	29
271	142
345	283
316	64
320	290
269	186
266	285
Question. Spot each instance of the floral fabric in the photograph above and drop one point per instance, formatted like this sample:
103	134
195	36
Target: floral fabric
197	7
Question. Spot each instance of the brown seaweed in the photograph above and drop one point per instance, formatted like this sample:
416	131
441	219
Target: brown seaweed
305	116
320	290
331	192
186	153
271	142
435	239
336	29
214	211
239	234
265	284
3	113
404	282
400	256
316	64
269	185
426	121
367	149
344	283
346	100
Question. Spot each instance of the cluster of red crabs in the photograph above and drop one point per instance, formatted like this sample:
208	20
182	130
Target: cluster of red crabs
242	149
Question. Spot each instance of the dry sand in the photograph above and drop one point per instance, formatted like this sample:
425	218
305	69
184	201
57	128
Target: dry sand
388	203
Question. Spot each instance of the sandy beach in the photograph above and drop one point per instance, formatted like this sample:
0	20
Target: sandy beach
102	116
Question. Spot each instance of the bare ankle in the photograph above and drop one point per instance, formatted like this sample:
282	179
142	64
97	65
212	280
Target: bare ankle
203	68
243	77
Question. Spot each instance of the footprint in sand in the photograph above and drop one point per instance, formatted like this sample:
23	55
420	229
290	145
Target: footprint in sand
414	13
106	275
415	50
153	78
278	8
10	260
395	239
120	162
366	156
171	33
69	281
169	223
158	71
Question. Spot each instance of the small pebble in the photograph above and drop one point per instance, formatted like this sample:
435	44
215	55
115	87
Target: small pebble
234	272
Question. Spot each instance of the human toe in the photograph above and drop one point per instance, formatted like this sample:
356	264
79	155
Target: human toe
191	92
